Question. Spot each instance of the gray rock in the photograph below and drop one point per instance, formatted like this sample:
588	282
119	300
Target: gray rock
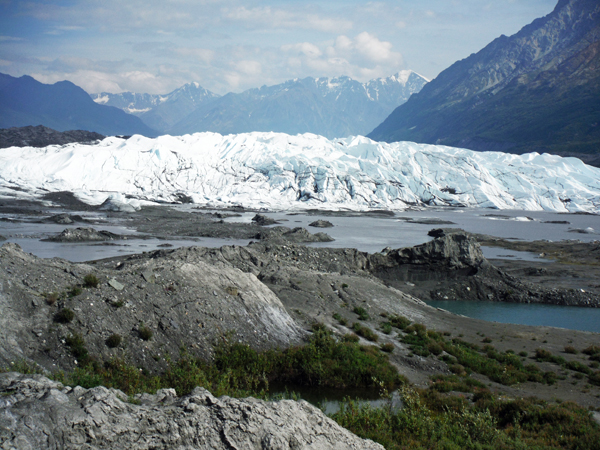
321	224
116	285
84	234
263	220
38	413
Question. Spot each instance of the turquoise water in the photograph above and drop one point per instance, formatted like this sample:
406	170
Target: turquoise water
570	317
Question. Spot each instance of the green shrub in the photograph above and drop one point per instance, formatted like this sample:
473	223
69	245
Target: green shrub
571	349
113	341
145	333
579	367
91	281
386	327
523	354
361	312
65	315
77	344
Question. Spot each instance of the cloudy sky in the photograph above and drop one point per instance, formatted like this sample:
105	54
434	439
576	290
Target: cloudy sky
232	45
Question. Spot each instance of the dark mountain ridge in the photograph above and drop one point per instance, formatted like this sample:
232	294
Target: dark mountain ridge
537	90
62	106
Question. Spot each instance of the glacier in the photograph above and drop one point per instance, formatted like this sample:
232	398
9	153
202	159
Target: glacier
283	172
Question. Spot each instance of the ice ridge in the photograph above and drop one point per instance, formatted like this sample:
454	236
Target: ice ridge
280	171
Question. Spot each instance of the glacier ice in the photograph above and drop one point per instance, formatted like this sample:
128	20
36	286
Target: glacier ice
280	171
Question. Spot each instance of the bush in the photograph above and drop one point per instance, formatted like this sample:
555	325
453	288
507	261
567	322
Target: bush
91	281
571	349
386	327
350	337
592	350
387	347
486	340
65	315
544	355
51	298
145	333
524	354
365	332
113	341
362	313
78	349
74	291
399	322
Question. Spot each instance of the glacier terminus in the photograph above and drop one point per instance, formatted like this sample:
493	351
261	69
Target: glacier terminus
283	172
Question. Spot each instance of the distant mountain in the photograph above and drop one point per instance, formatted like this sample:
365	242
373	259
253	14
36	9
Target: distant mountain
61	106
538	90
334	107
159	112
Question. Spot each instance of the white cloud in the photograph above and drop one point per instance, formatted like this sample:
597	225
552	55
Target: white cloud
269	17
362	57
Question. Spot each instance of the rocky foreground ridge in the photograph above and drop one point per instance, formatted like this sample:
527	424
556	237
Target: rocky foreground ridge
38	413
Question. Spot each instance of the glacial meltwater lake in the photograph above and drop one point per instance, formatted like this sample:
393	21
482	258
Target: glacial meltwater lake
372	233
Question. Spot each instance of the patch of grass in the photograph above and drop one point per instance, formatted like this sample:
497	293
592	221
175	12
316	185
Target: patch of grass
399	322
361	312
431	420
523	354
486	340
544	355
90	281
387	347
113	341
238	370
117	303
570	349
365	332
24	367
340	319
65	315
344	285
74	291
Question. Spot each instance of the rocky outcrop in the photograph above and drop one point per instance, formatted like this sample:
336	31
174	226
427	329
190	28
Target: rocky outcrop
456	251
37	413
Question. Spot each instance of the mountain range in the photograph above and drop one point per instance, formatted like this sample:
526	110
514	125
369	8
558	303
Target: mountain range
62	106
159	112
332	107
538	90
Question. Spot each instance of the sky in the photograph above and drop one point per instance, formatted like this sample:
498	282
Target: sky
233	45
